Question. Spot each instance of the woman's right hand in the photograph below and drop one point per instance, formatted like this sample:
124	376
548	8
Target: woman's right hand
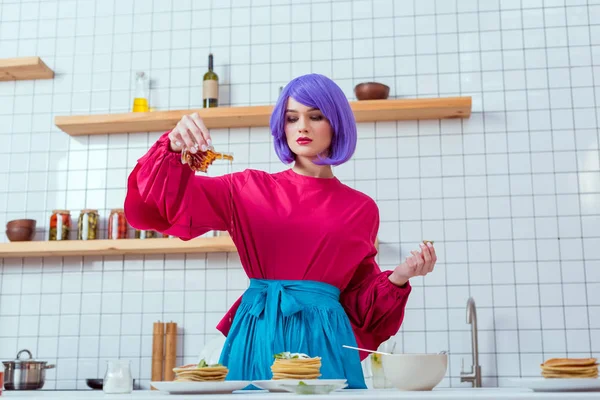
191	133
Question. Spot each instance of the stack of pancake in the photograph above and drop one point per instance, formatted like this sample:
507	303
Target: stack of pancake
570	368
296	366
200	372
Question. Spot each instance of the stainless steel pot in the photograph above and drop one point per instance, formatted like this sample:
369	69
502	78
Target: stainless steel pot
26	374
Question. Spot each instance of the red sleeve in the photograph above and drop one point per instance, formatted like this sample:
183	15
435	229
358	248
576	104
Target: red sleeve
165	195
375	306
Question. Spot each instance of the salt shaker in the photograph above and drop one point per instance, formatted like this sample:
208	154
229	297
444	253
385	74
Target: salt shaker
118	379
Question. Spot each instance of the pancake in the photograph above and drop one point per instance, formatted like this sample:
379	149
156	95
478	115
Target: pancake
570	368
201	372
569	362
296	366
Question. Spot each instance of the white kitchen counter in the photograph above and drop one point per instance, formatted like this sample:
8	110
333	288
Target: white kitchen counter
446	393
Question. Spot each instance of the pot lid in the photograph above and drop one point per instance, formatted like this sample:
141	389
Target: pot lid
21	360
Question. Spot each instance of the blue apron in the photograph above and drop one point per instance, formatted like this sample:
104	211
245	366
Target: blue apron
296	316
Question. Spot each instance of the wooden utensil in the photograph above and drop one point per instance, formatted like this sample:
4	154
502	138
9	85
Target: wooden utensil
170	351
157	352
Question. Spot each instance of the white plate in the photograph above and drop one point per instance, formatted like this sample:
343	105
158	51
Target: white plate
300	388
286	385
200	387
558	384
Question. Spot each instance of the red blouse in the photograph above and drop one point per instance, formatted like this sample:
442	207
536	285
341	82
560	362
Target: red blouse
285	226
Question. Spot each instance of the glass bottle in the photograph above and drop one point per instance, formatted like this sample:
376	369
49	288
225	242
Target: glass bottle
210	86
140	100
118	377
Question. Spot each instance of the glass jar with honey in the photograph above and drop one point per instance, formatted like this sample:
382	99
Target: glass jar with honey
60	225
88	225
117	224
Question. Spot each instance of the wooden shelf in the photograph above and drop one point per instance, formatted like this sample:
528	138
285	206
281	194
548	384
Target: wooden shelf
235	117
24	68
108	247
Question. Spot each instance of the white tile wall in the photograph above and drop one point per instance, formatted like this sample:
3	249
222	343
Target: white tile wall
511	196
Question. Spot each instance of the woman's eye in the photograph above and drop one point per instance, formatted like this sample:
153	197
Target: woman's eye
313	118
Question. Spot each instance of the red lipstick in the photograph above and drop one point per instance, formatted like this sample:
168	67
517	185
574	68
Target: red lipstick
303	140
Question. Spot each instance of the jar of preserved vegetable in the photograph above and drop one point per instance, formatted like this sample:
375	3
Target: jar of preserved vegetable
117	224
88	225
60	225
142	234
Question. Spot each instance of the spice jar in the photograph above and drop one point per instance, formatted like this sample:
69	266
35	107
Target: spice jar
88	225
143	234
117	224
60	225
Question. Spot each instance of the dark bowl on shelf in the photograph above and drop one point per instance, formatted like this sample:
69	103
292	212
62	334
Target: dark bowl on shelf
20	230
371	91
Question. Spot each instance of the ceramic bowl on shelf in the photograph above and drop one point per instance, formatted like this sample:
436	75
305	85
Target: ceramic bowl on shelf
371	91
20	230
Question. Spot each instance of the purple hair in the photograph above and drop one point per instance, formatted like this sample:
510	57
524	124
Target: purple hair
318	91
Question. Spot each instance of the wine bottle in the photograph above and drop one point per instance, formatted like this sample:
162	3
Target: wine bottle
210	86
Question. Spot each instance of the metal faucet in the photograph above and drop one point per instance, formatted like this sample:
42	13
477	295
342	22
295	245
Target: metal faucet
473	376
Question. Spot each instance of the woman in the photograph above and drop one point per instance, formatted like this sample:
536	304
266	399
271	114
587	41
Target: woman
305	240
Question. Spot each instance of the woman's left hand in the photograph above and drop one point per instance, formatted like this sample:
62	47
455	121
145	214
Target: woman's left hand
419	264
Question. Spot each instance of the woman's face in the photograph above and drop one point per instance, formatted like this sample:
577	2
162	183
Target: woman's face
307	130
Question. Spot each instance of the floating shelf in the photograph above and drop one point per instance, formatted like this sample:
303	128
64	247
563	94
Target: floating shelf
24	68
236	117
107	247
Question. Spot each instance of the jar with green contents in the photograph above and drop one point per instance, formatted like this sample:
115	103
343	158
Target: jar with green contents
142	234
60	225
88	225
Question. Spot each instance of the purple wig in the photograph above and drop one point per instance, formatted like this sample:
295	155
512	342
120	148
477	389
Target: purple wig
318	91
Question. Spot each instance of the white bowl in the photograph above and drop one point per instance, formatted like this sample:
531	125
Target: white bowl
414	371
